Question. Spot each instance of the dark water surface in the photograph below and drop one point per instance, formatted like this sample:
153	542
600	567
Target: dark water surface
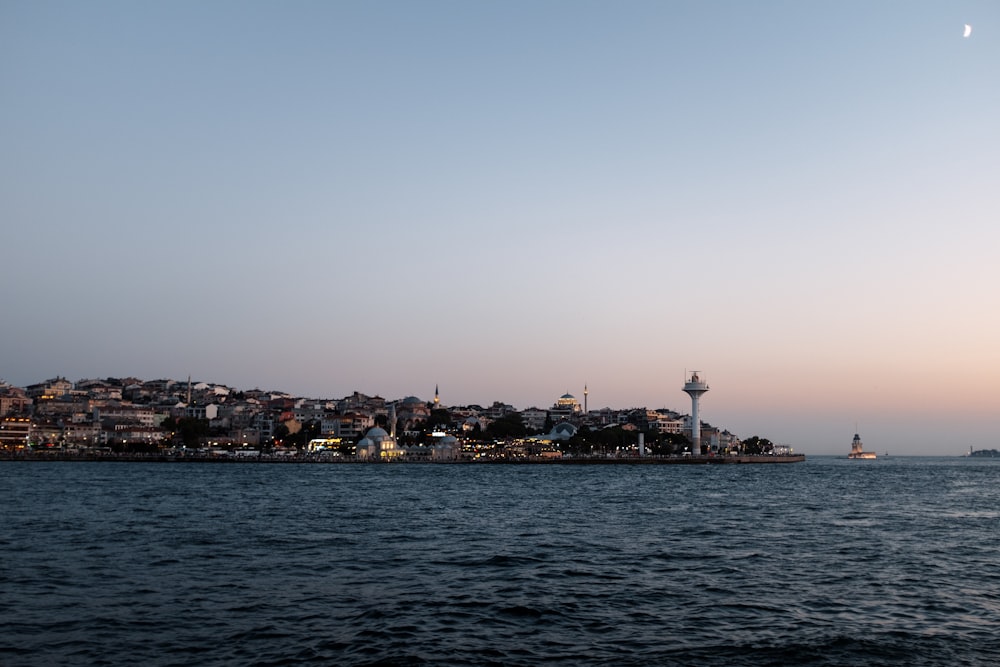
827	562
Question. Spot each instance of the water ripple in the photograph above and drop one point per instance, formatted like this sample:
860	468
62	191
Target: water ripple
821	563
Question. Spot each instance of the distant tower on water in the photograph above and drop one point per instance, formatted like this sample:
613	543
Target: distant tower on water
695	388
858	449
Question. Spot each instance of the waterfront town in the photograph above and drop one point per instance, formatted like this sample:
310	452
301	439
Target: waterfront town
134	417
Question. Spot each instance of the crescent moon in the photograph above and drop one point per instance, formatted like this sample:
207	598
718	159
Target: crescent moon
968	30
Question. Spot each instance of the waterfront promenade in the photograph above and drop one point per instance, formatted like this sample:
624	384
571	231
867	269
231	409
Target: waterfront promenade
112	457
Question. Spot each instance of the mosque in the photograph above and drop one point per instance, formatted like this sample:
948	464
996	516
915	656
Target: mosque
568	407
379	444
447	449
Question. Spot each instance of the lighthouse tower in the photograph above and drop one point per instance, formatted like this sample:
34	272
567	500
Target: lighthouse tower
695	388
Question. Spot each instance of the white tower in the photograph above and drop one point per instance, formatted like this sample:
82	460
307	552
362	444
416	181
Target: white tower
695	388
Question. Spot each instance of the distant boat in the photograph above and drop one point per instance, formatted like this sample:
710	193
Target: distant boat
857	450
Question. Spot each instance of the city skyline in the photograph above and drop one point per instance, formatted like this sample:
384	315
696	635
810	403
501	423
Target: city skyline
513	200
765	419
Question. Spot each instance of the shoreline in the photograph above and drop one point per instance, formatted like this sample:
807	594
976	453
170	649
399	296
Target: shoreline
649	460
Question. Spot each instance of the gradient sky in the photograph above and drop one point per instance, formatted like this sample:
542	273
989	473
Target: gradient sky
511	199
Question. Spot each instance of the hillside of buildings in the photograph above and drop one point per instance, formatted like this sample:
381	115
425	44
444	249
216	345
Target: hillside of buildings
130	415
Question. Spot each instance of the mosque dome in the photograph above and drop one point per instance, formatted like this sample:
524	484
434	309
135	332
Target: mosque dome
412	400
446	448
563	430
448	442
568	400
376	432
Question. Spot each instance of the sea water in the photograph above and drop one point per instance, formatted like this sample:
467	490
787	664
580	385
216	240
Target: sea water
826	562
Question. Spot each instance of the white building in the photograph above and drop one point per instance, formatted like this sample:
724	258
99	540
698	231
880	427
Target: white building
378	445
446	449
534	418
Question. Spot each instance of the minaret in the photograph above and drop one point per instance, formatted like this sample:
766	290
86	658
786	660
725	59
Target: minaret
695	388
392	421
437	399
585	392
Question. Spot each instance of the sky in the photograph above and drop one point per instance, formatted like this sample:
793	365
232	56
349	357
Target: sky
512	200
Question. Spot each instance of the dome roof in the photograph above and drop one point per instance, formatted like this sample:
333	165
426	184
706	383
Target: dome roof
449	440
568	396
564	428
376	432
411	400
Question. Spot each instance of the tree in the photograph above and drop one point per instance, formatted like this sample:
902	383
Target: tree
347	448
279	434
547	428
476	433
578	445
756	446
669	444
187	429
508	426
438	417
311	429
